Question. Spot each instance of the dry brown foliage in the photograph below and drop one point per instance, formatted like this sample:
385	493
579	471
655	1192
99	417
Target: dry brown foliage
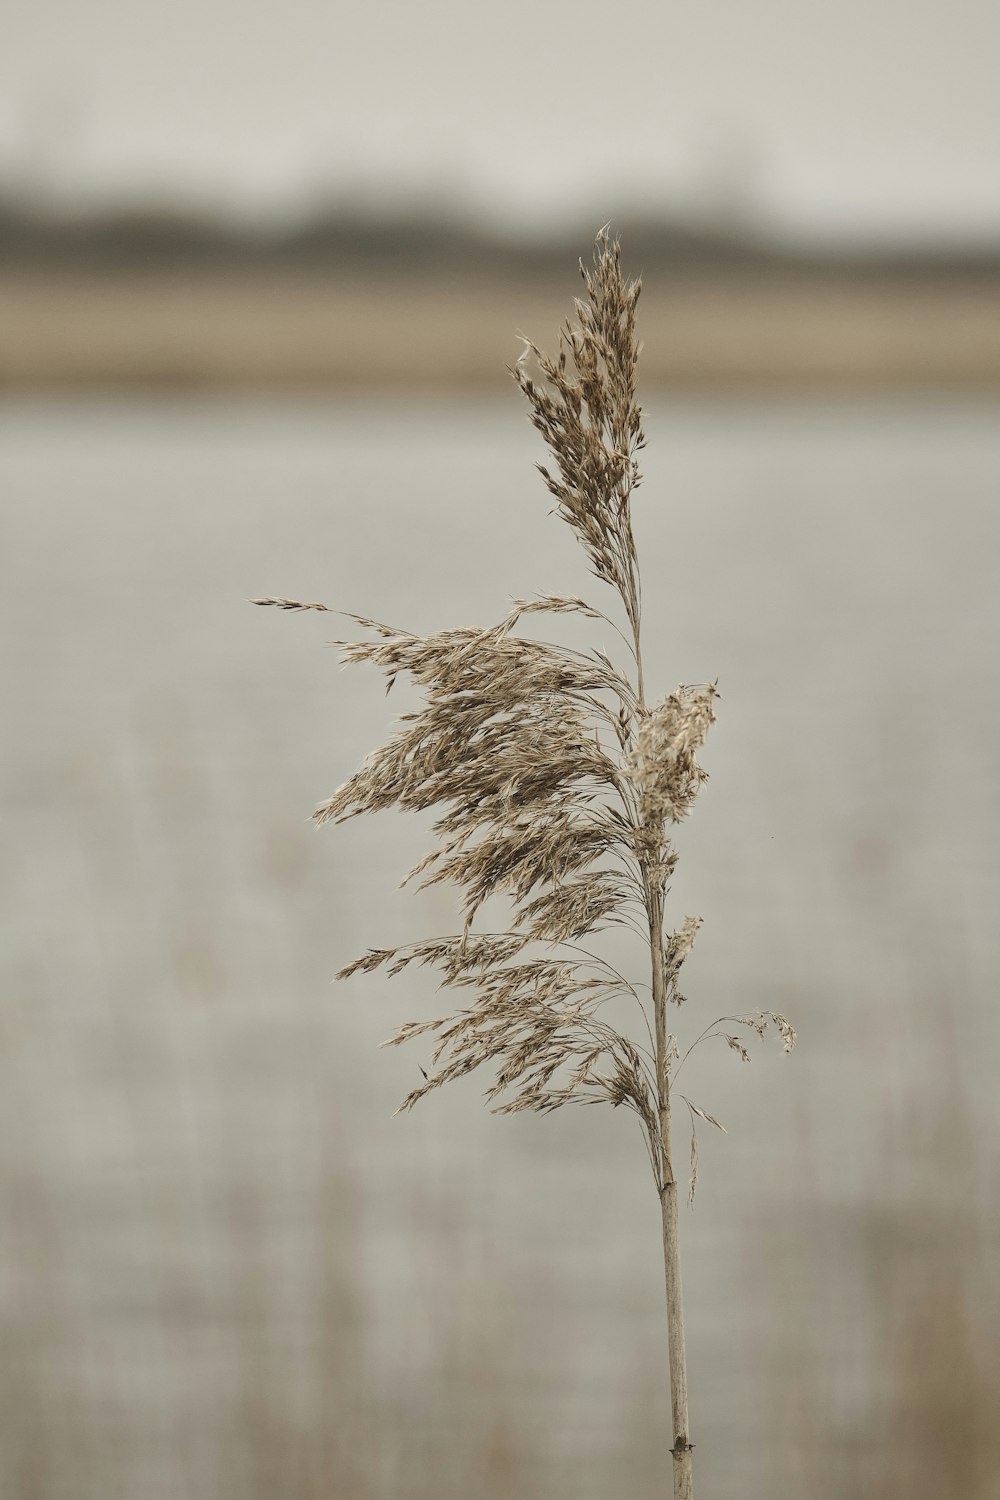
554	784
556	788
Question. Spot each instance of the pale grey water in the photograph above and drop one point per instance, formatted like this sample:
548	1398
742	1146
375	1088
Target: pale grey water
224	1270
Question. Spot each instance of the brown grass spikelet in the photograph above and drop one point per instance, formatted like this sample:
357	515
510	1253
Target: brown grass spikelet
291	604
556	788
587	412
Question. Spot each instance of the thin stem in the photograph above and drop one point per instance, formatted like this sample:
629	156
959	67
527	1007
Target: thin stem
676	1349
703	1037
603	963
653	1162
681	1448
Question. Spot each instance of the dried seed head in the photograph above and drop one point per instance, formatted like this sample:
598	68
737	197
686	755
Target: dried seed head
662	766
508	750
587	412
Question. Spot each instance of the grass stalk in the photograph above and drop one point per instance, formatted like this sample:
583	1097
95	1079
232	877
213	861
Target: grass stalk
556	786
676	1347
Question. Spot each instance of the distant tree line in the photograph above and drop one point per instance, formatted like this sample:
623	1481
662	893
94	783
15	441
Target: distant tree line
349	237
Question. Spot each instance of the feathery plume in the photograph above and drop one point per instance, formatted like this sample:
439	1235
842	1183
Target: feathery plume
555	787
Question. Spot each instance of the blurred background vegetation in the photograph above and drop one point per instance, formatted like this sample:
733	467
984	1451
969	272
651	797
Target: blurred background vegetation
352	299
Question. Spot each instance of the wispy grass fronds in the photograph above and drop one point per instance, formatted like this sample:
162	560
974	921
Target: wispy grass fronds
556	788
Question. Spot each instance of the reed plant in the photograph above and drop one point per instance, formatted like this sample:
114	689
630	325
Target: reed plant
557	786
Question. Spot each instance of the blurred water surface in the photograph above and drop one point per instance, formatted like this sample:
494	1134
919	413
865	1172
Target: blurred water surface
224	1269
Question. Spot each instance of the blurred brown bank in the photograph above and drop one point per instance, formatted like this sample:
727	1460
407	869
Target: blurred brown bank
152	303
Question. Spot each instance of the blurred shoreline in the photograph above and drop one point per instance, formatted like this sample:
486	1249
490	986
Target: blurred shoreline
162	303
283	329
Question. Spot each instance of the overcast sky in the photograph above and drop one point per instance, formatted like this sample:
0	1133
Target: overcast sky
821	117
